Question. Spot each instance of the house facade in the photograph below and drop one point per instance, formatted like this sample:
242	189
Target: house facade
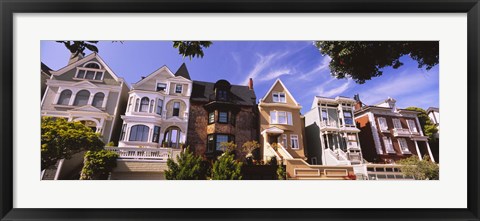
221	112
281	124
158	110
87	91
44	76
388	133
331	132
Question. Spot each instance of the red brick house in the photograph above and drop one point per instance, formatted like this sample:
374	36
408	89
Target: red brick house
388	134
221	112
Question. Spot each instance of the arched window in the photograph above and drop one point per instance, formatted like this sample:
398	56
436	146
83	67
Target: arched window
137	102
82	98
151	106
65	97
98	99
139	133
92	65
172	137
144	104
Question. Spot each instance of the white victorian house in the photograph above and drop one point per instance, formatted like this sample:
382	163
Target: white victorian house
88	91
157	111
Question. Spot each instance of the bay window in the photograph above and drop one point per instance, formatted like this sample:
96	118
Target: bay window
139	133
280	117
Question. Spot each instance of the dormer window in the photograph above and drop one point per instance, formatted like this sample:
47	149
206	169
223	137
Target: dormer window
222	95
161	87
279	97
90	71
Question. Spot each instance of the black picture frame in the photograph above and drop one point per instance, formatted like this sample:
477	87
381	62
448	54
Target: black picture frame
9	7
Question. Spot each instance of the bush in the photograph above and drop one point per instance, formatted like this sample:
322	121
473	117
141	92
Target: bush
420	169
98	164
227	168
187	167
281	173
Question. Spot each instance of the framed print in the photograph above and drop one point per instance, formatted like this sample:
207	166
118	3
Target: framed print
239	110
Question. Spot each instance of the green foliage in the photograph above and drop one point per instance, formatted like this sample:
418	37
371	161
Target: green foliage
274	146
420	169
187	167
362	60
98	164
227	168
429	129
249	146
281	173
228	146
191	48
61	139
110	144
185	48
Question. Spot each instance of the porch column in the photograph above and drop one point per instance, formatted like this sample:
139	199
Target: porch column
430	152
418	150
265	146
328	142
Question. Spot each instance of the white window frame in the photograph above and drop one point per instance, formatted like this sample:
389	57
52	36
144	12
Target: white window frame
397	122
411	125
277	97
97	71
293	140
382	123
387	141
284	140
404	150
176	88
274	117
156	86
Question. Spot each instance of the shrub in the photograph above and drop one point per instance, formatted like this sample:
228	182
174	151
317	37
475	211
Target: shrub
187	167
227	168
420	169
281	173
98	164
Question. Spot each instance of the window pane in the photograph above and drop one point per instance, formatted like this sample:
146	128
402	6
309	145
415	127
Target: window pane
81	98
98	100
273	117
139	133
81	74
289	120
65	97
98	76
275	97
211	117
221	139
151	106
90	75
144	104
92	65
178	88
223	117
161	87
176	109
282	98
159	106
282	117
210	143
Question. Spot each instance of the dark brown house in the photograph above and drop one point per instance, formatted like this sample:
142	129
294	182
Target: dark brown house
388	134
221	112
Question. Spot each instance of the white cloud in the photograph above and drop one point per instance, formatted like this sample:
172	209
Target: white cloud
263	62
331	88
275	74
317	70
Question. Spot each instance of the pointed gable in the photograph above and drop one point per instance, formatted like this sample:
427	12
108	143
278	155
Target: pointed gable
183	72
278	86
149	83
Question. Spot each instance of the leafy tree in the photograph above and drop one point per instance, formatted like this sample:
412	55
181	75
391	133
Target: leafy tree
427	125
191	48
98	164
187	167
227	168
420	169
362	60
281	173
61	139
249	146
185	48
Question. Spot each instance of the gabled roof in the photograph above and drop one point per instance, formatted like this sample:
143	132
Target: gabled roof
241	95
183	72
46	69
285	88
85	59
153	74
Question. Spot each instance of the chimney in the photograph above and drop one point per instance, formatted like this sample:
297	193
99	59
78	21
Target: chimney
359	103
74	58
250	84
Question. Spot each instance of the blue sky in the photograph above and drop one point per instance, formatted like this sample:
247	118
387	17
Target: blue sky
298	64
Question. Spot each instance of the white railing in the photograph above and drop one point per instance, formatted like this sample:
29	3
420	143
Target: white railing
400	131
284	152
333	158
328	124
135	153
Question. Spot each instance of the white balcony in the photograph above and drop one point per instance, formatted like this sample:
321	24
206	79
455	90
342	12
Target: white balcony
143	154
329	126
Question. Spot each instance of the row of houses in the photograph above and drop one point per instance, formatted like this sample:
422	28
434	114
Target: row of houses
154	118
